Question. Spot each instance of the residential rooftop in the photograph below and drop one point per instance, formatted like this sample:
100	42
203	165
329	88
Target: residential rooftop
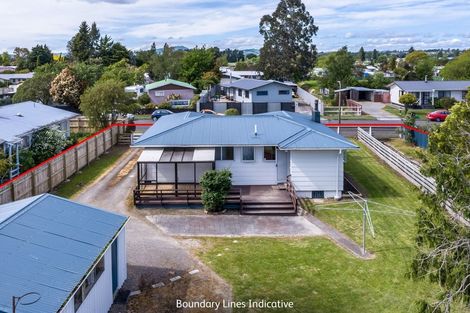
286	130
429	85
16	76
168	81
249	84
48	245
21	118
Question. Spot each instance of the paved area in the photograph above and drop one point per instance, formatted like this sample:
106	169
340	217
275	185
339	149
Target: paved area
235	225
375	109
264	193
150	253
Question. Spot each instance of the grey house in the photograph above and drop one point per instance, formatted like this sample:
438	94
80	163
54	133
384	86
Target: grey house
427	92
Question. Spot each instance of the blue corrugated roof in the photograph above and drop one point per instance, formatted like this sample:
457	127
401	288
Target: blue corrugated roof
286	130
422	85
20	118
249	84
48	244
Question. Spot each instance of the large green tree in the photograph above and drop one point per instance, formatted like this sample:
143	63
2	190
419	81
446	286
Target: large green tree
39	55
124	72
443	242
361	55
21	58
339	68
288	52
102	102
166	64
458	69
195	63
80	47
66	88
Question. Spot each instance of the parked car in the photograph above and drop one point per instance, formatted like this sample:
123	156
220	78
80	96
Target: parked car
207	111
438	116
159	113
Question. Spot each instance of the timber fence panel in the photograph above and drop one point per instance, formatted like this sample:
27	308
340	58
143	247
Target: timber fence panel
53	172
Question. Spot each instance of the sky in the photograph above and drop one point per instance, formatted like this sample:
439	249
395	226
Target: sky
380	24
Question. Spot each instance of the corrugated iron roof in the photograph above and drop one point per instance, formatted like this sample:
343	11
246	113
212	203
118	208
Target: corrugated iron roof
168	81
249	84
443	85
16	76
48	245
21	118
282	129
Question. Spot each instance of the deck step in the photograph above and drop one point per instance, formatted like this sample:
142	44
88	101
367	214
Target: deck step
269	212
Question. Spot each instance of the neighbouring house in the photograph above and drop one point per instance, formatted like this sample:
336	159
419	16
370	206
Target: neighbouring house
427	92
175	92
319	72
7	68
15	79
254	96
228	75
19	121
364	94
259	150
71	255
136	90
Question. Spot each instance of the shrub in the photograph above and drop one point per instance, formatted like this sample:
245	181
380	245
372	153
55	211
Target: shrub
232	111
5	166
445	103
215	186
193	102
165	105
26	160
144	99
46	143
409	120
150	106
407	100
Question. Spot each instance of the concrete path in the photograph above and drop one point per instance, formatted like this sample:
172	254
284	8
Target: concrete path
235	226
376	109
150	253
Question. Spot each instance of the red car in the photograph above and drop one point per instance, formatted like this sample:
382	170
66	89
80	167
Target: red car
438	116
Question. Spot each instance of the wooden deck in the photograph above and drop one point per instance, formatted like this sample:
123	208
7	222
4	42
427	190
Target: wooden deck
251	200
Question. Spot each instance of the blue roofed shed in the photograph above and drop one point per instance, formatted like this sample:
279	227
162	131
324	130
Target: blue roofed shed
61	250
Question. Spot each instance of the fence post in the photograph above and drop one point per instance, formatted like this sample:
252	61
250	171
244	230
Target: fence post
96	147
49	174
64	164
13	192
33	183
87	145
337	130
76	159
370	131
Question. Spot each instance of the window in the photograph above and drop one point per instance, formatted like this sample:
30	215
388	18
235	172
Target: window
224	154
318	194
247	94
88	284
262	93
270	153
240	92
464	94
248	154
284	92
443	94
159	93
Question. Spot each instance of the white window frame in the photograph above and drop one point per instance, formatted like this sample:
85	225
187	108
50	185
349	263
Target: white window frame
275	154
159	93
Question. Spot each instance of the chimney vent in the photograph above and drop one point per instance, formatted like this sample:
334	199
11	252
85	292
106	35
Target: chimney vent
256	130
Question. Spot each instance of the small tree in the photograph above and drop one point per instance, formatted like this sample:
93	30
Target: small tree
407	100
5	166
215	186
65	88
232	111
445	103
409	120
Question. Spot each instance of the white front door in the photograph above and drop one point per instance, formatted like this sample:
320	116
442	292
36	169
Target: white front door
281	164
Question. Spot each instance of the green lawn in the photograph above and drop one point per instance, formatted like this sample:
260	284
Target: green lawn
321	277
89	173
420	113
408	149
351	117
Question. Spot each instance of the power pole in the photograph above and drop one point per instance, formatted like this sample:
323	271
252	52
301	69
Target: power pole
339	103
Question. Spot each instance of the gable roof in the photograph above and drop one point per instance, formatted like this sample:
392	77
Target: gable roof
48	245
21	118
16	76
422	85
249	84
168	81
286	130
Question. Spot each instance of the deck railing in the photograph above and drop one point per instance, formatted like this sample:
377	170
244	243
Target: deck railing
293	195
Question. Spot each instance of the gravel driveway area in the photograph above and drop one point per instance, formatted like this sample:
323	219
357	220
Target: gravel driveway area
235	226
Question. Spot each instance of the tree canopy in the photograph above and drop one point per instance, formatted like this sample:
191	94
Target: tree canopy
340	67
458	69
288	52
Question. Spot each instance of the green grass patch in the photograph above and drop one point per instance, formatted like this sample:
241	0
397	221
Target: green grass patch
142	117
408	149
317	275
420	113
89	173
351	117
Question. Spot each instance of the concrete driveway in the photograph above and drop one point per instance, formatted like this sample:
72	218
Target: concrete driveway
376	109
235	226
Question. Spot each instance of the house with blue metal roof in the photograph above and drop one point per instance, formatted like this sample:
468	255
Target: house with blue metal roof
263	149
255	96
19	121
70	256
427	92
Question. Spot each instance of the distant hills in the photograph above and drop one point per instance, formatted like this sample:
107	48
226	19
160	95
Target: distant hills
183	48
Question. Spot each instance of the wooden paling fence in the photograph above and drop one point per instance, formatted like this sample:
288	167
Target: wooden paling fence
408	169
47	175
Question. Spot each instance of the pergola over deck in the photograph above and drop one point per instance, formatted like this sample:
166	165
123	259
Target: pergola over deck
173	167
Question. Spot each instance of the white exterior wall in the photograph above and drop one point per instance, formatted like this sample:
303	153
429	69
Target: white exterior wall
273	94
101	297
259	172
247	108
317	171
395	94
457	95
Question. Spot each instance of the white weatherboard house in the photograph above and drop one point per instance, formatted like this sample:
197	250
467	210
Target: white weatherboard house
263	149
259	96
427	92
72	255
